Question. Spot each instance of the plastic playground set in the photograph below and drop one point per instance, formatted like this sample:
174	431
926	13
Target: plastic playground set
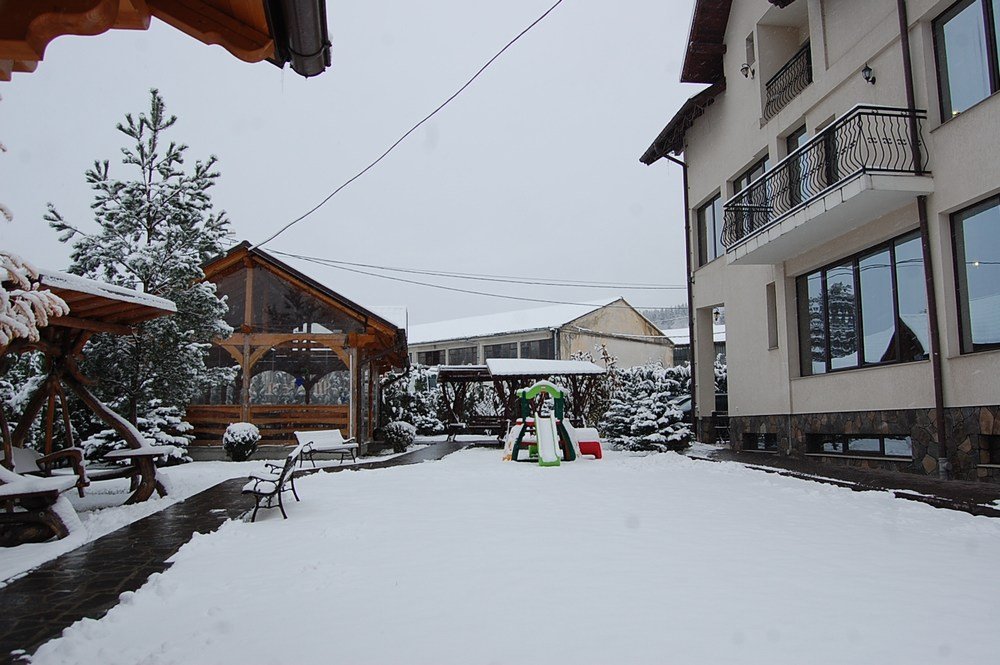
543	434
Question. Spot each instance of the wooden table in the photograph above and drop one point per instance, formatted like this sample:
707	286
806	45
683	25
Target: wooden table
143	469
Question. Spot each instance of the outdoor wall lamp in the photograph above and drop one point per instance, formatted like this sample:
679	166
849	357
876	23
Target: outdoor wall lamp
868	74
746	70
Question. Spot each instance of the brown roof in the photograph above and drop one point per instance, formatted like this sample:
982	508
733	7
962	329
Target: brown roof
671	139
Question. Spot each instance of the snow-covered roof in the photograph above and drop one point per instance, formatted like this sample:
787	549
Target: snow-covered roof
682	337
394	314
523	320
536	367
55	279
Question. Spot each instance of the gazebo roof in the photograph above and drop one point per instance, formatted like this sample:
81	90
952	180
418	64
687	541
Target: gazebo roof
517	368
96	305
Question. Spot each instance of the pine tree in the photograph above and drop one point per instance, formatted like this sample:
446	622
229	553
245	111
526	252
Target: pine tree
154	231
641	414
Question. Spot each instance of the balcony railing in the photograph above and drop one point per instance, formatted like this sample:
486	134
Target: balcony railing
868	139
788	82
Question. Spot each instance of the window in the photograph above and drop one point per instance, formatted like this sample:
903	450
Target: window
771	303
753	211
767	442
870	309
431	358
867	445
710	221
466	355
540	348
798	167
977	267
965	39
500	350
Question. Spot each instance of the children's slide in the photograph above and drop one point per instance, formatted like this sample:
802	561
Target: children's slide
548	438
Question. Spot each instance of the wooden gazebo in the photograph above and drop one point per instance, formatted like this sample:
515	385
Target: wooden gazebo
307	358
93	307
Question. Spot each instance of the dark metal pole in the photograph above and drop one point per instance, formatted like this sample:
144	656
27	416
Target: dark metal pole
925	245
690	296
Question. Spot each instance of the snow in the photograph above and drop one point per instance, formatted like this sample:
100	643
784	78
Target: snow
55	279
536	367
682	336
633	559
538	318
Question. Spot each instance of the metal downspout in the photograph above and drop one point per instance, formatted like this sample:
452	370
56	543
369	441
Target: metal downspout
925	245
690	297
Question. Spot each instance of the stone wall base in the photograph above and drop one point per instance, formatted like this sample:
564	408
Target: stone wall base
971	434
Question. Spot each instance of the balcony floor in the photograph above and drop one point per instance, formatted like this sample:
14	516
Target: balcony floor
854	203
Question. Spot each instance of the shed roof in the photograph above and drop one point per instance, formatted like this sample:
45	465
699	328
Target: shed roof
504	323
100	302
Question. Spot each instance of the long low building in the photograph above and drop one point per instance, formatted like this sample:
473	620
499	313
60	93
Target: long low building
555	332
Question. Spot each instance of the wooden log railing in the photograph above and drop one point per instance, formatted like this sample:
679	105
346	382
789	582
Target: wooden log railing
277	423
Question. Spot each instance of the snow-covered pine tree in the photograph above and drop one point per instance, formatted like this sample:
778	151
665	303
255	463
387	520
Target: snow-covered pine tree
153	233
413	397
641	414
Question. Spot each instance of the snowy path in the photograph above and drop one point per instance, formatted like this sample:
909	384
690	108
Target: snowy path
640	560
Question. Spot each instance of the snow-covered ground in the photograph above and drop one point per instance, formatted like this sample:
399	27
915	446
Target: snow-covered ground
101	510
658	559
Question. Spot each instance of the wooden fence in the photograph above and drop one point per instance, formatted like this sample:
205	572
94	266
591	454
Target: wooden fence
277	423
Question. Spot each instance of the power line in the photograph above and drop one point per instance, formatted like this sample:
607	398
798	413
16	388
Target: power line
412	129
505	279
458	290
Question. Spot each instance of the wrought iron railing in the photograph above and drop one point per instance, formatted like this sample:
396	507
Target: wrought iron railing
868	139
788	82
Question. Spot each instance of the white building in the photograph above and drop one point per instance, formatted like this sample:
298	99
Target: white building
552	332
843	157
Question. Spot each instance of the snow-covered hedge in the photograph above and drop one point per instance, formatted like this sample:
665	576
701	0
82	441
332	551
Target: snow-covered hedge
413	397
641	414
240	441
399	435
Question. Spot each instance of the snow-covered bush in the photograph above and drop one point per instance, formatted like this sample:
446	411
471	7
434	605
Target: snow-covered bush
399	435
641	414
240	441
413	397
161	426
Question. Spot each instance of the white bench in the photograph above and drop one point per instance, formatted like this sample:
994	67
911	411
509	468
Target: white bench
326	441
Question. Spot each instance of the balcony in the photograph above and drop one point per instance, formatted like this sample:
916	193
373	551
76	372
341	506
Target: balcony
856	170
788	82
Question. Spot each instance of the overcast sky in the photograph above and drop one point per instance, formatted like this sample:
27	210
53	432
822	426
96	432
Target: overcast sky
533	170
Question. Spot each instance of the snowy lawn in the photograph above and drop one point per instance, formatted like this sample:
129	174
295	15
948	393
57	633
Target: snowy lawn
657	559
101	510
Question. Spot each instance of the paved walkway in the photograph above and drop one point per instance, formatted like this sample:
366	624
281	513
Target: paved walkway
970	497
86	582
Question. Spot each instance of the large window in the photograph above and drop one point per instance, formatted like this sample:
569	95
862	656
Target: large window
867	445
431	358
500	350
870	309
540	348
710	220
466	355
977	268
965	39
755	209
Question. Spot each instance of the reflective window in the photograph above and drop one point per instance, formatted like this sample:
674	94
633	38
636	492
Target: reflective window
798	167
867	310
466	355
966	40
431	358
878	320
977	266
867	445
540	348
710	223
500	350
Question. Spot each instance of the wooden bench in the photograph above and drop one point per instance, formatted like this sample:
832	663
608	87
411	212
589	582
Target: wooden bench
28	462
30	516
276	479
326	441
495	425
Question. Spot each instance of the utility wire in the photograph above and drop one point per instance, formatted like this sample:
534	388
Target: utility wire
459	290
412	129
506	279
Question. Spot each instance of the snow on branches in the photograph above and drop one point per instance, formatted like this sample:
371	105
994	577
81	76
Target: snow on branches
24	308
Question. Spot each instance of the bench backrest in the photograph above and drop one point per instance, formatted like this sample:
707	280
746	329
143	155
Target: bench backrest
322	437
25	460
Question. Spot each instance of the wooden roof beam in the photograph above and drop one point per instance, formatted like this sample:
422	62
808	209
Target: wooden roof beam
211	26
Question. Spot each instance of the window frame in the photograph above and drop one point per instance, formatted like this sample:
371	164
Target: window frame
966	345
941	56
816	440
704	237
854	261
